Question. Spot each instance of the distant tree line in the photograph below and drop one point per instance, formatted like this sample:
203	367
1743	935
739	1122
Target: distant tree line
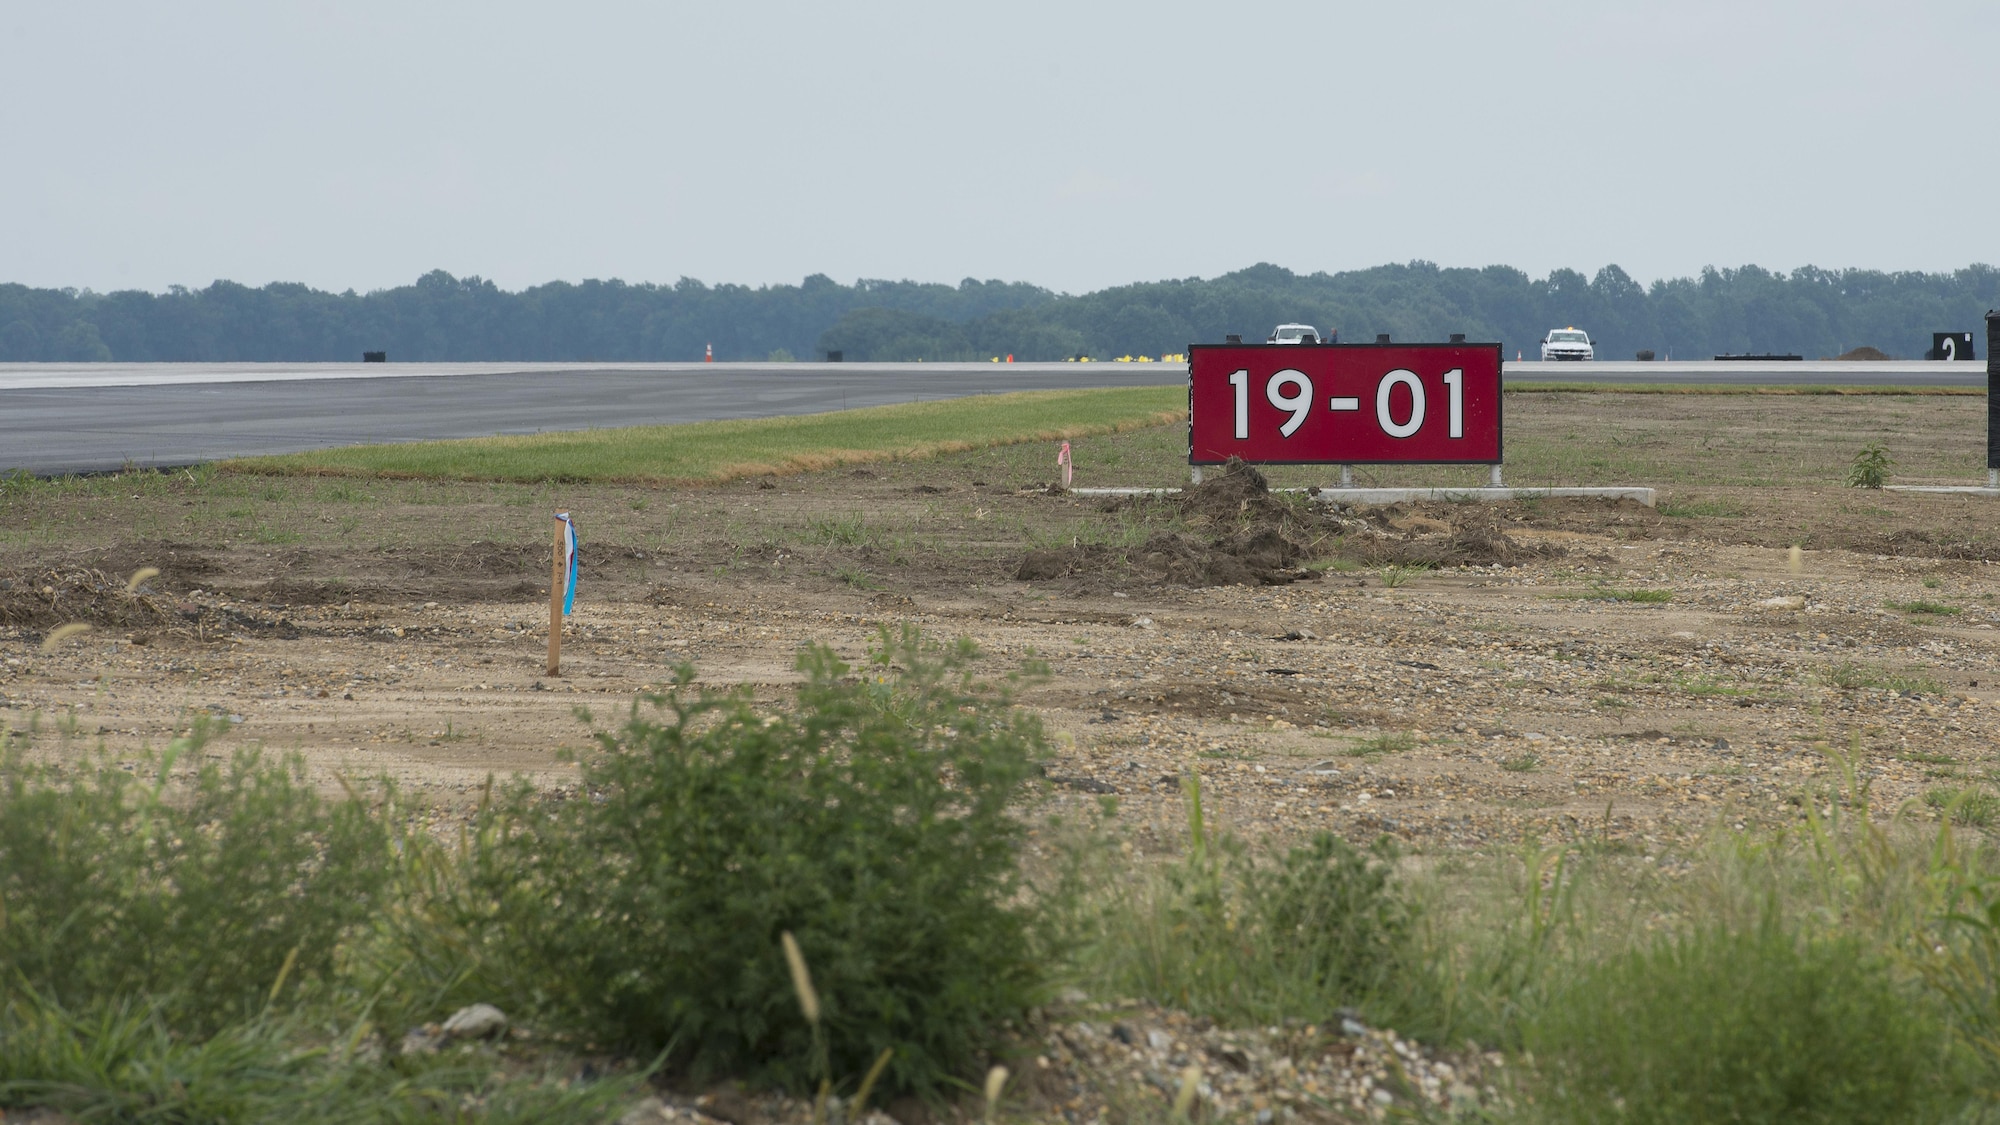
1809	311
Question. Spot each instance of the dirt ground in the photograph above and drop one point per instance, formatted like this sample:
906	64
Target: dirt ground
1459	676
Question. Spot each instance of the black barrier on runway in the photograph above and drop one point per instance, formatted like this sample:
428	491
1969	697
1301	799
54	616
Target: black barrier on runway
1952	346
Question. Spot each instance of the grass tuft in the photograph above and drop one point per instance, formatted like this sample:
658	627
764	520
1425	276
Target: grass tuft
1395	742
1971	808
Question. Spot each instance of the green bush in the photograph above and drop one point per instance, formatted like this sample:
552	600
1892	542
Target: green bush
1331	918
1754	1025
1227	934
871	821
199	893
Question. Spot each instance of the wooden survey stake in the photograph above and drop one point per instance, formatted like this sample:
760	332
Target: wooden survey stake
558	578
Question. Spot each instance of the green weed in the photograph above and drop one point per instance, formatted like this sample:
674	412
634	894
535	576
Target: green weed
1870	467
1394	576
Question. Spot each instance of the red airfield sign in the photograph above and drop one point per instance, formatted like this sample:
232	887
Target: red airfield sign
1344	404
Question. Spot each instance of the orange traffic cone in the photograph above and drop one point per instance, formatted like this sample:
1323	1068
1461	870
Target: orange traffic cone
710	357
1010	357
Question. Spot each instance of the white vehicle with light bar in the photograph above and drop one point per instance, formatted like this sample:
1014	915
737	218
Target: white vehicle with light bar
1567	343
1298	334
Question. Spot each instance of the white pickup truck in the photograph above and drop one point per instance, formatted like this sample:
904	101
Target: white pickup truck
1297	334
1567	343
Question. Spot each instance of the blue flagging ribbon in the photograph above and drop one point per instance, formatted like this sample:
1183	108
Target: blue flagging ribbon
569	549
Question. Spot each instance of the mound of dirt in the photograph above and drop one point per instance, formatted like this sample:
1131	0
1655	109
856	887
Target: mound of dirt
1262	557
1863	352
66	594
1237	492
1261	540
1257	538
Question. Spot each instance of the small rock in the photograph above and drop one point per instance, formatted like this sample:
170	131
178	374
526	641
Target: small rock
727	1103
475	1021
423	1040
647	1111
1159	1040
1236	1057
1300	634
1143	623
1783	603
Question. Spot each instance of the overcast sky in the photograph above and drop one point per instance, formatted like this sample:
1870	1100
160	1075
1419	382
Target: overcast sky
1076	145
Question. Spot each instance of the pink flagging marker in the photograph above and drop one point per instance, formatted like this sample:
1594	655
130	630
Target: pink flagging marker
1062	460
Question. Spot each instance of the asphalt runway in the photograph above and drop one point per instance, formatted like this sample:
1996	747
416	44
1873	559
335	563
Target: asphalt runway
82	420
70	418
1823	373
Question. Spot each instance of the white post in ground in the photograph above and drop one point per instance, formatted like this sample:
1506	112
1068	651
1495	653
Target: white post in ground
558	577
1347	476
1495	482
1194	475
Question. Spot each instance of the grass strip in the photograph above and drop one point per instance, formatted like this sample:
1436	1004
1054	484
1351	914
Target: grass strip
699	452
1532	388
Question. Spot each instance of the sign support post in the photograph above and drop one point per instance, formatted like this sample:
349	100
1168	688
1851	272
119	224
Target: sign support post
1992	401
